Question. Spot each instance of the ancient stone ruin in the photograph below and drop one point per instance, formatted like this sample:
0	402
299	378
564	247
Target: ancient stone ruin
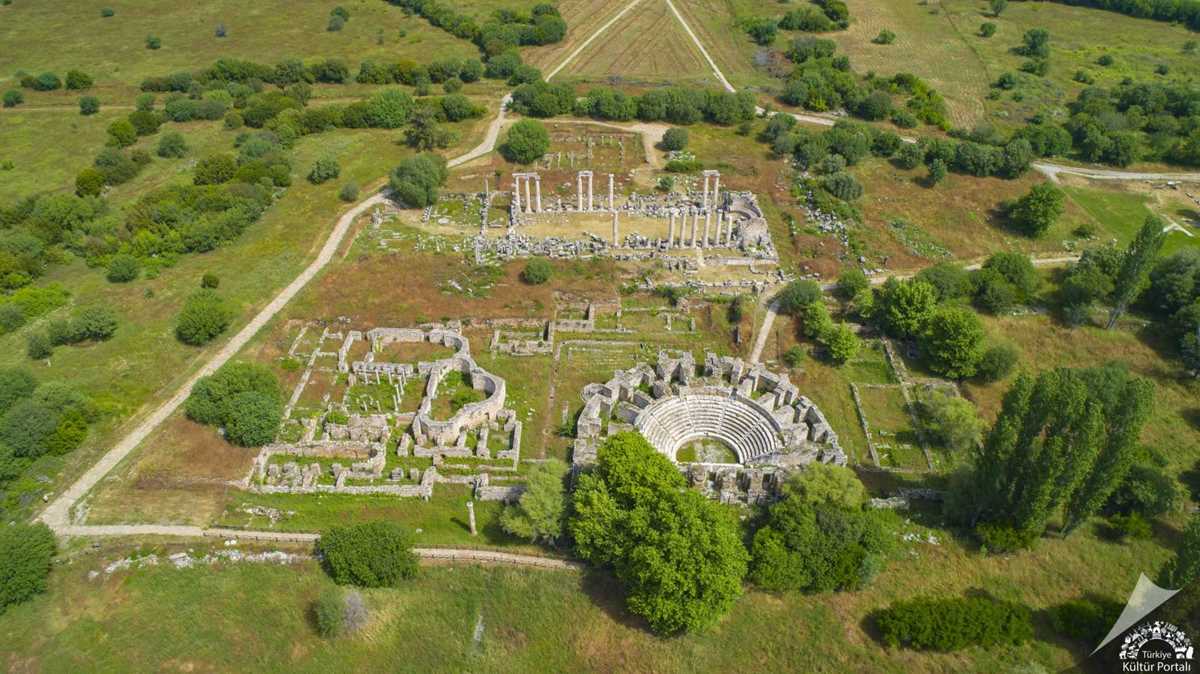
383	447
759	417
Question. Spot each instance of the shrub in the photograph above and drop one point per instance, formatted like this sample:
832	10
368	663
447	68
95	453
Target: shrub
338	612
349	192
43	82
253	419
107	12
540	514
13	98
215	170
415	182
89	105
997	362
95	323
884	37
1132	525
12	317
797	295
954	623
204	316
153	42
26	552
793	357
123	268
952	420
121	133
211	399
1105	60
1001	538
987	29
15	384
37	346
372	554
172	145
323	170
1086	620
675	139
1146	490
234	120
336	23
526	142
537	271
953	342
89	183
77	80
210	281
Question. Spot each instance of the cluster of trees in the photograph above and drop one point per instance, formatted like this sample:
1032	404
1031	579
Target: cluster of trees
1063	442
420	75
1181	11
75	80
1173	296
831	15
540	514
502	33
678	555
1137	121
26	554
1119	277
950	624
95	323
822	81
29	302
676	105
804	301
818	537
38	419
242	398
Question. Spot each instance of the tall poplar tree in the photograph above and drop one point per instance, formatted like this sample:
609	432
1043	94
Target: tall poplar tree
1135	266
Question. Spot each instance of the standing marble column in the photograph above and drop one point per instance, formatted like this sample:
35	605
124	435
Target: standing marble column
538	187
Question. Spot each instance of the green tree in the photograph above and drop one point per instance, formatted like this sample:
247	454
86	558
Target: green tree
371	554
172	145
797	296
841	342
1135	266
537	271
953	342
675	139
540	513
678	555
215	170
324	170
998	6
827	484
121	133
253	419
204	316
415	182
1184	568
1038	210
952	420
526	142
123	268
211	399
903	308
851	281
1125	402
15	384
89	105
26	553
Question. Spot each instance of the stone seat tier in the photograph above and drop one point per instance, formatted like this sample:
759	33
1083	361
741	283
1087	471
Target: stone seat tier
672	422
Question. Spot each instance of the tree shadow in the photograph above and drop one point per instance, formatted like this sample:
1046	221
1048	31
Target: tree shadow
607	594
1191	480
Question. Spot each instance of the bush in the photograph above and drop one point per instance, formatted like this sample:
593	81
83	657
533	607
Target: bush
26	553
12	317
797	295
987	29
537	271
13	98
997	362
211	399
1001	538
953	342
107	12
323	170
526	142
89	183
349	192
415	182
675	139
204	316
1132	525
15	384
95	323
172	145
540	514
77	80
337	612
954	623
122	133
336	23
153	42
253	419
43	82
793	357
1086	620
372	554
37	346
215	170
210	280
89	105
123	268
1147	491
884	37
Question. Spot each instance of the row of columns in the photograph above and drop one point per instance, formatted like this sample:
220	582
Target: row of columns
531	205
724	231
